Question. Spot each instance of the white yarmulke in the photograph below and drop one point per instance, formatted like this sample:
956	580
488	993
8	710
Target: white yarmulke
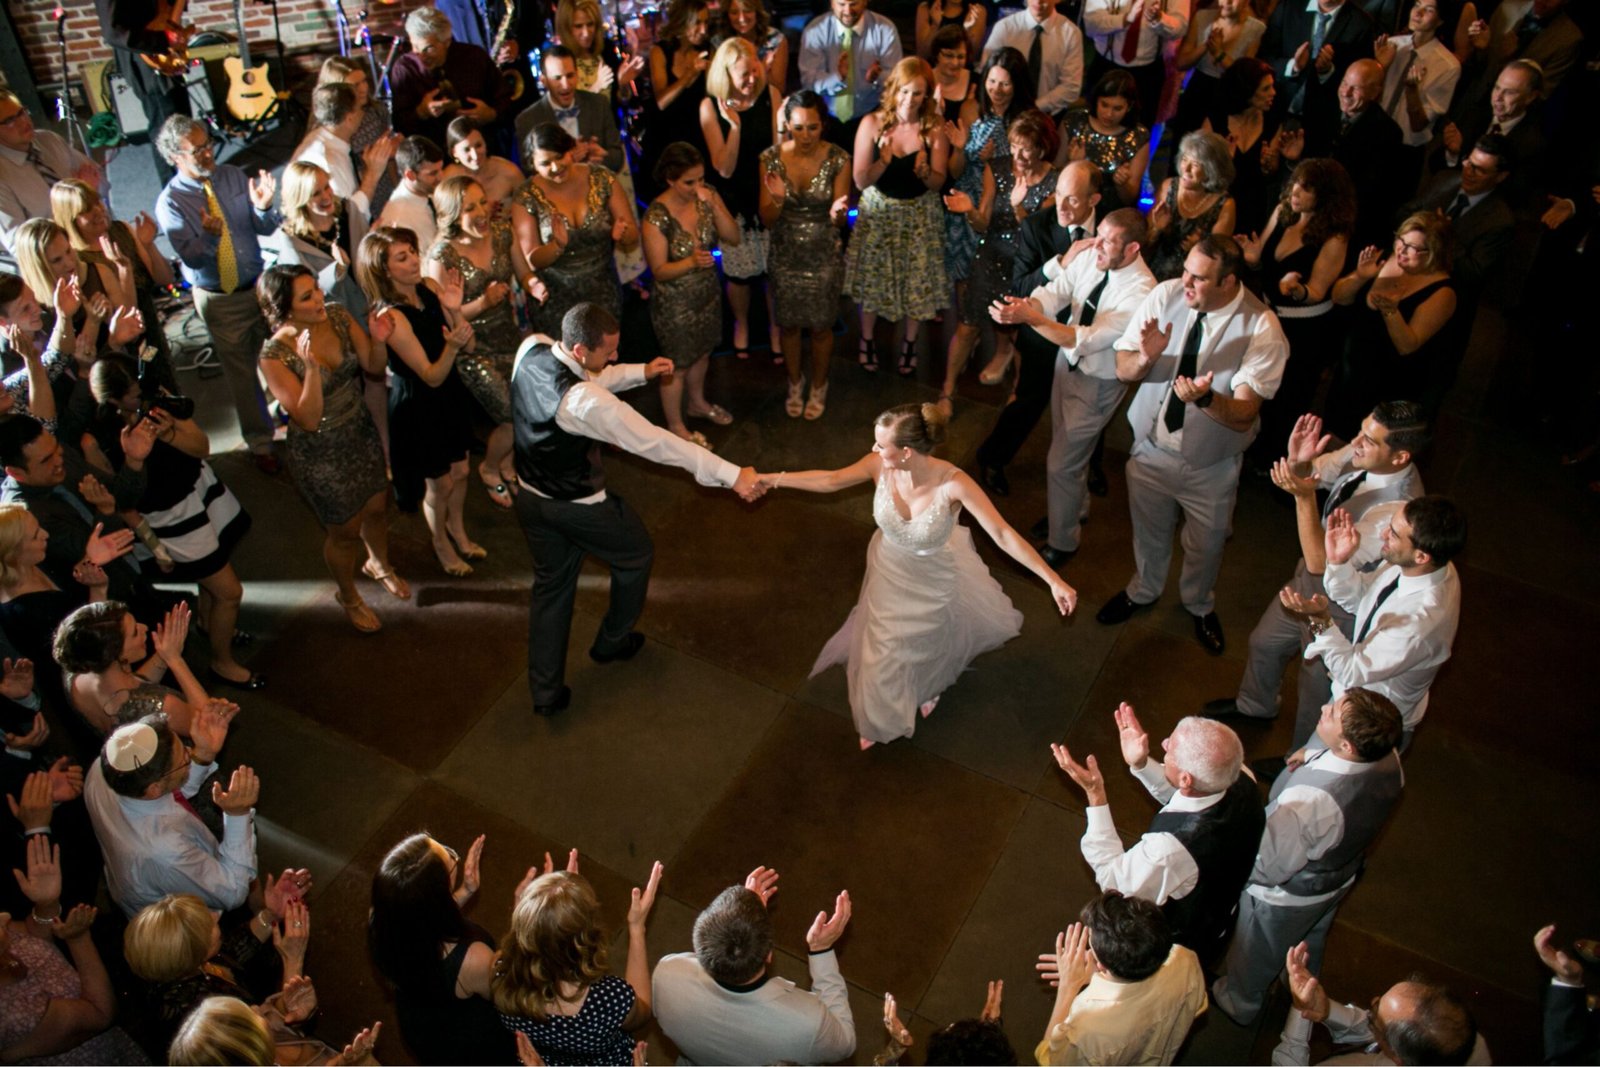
131	747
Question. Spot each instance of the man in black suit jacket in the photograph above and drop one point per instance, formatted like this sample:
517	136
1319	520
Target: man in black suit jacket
1362	138
1309	44
1512	113
1044	236
589	114
1571	1031
1481	221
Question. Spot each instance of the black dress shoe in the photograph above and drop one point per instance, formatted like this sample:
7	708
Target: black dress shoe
563	697
1040	531
994	479
1098	486
1208	631
1227	710
1119	608
1056	557
630	648
249	685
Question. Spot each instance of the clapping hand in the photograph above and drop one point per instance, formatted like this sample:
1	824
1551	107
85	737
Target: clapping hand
528	1055
1561	964
1369	263
127	324
572	863
1314	606
1383	50
495	294
1302	57
1087	774
958	202
1153	340
262	188
1478	34
208	727
102	548
244	789
292	935
1250	244
993	997
360	1048
1341	538
891	1022
380	326
1189	390
68	296
1310	999
1325	60
826	930
775	186
472	868
297	999
450	290
763	882
75	923
41	884
288	888
1289	283
1306	440
96	495
1131	735
39	732
458	336
16	682
644	899
66	780
144	228
1072	964
1285	478
34	809
1016	310
376	155
172	633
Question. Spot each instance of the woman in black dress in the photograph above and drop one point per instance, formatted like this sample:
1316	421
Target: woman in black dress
1191	203
430	430
1243	116
739	119
969	18
438	964
315	364
1397	345
678	63
1294	263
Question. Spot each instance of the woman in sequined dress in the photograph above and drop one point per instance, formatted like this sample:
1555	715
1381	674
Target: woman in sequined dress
470	158
805	197
1108	134
492	269
569	219
681	229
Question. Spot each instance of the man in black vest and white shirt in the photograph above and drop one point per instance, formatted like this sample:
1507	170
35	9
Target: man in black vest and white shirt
1371	478
1197	855
563	406
1322	815
1207	352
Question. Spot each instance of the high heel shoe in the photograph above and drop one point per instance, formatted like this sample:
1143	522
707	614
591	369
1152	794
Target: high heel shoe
907	365
818	402
360	616
394	584
996	371
795	405
466	548
867	355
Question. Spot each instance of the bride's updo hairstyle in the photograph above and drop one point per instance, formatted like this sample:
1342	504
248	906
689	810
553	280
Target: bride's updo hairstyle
919	427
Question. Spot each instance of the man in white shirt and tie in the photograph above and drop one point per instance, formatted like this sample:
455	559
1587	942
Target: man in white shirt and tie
1206	353
1053	49
336	119
1084	309
410	206
1420	73
1132	34
844	57
1406	611
31	161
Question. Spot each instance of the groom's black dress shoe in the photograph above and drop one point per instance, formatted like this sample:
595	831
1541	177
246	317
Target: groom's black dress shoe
630	647
562	698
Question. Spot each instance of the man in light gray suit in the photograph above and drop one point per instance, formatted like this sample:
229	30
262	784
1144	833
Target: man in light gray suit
721	1004
1207	352
586	116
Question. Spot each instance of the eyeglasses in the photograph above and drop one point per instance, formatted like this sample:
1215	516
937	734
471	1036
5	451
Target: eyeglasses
14	118
203	149
1420	250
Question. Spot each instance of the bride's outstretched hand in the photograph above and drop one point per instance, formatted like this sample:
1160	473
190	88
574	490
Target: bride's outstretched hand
1065	596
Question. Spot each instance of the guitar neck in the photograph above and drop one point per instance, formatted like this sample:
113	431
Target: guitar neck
244	38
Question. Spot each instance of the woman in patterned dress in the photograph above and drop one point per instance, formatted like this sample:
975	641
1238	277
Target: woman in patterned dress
895	266
1194	201
315	364
680	230
1014	193
1108	134
493	269
569	219
805	197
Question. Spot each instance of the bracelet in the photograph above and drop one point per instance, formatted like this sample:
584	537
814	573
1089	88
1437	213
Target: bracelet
34	915
266	919
779	483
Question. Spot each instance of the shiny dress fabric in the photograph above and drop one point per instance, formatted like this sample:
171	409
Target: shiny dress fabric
338	466
1107	151
586	269
487	371
960	239
1171	247
997	246
686	312
928	608
805	263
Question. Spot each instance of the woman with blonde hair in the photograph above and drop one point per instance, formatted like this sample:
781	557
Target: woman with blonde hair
470	158
99	297
928	605
321	233
314	364
77	208
430	428
750	20
601	69
739	119
375	119
895	264
483	252
550	980
227	1030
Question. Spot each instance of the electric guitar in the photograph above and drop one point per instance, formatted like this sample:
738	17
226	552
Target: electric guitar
250	93
168	22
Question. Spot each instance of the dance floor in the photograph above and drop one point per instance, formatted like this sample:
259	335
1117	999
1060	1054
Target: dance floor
713	751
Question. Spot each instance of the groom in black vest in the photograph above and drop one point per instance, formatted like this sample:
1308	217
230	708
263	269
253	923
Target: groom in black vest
563	406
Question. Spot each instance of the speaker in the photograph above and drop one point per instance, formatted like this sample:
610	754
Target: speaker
129	108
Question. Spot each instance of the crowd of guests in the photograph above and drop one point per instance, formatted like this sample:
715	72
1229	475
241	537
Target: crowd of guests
1344	183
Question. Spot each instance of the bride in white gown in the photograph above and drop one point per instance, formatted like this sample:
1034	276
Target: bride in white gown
928	605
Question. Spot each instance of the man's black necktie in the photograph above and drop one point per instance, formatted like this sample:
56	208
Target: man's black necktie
1091	306
36	161
1346	490
1383	594
1458	208
1074	234
1188	363
1036	56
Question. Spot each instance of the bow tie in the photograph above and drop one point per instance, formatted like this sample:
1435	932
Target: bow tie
565	112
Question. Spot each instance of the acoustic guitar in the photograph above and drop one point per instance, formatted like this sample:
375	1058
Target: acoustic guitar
251	96
168	22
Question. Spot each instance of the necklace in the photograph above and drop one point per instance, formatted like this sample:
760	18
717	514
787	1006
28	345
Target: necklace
326	239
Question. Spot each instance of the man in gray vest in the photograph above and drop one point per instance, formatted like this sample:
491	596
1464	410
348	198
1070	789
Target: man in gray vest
1371	478
1322	815
563	405
1207	352
1198	853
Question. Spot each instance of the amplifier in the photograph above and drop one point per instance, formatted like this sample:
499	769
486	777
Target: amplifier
130	110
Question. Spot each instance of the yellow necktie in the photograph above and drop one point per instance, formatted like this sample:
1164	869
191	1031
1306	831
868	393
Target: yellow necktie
227	265
844	108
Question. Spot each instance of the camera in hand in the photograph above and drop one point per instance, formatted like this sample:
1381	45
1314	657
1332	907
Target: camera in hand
179	407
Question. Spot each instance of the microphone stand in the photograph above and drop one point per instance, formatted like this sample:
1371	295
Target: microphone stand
64	109
372	60
344	27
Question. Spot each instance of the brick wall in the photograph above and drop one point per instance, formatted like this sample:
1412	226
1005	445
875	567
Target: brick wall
308	26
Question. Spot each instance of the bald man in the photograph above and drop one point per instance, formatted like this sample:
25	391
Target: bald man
1362	137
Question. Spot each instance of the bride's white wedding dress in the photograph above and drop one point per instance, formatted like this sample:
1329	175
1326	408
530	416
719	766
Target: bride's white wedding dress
928	607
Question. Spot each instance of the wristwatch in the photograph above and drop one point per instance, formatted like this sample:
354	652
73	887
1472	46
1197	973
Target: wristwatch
1317	625
1205	401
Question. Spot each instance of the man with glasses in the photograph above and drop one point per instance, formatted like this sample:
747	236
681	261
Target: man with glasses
1482	222
214	214
442	78
31	161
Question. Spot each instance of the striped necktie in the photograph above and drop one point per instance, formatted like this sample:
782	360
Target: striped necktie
36	161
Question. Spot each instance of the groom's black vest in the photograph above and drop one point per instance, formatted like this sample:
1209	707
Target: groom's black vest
561	465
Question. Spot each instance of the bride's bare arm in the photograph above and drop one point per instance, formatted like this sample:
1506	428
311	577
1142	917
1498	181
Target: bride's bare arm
862	470
967	492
